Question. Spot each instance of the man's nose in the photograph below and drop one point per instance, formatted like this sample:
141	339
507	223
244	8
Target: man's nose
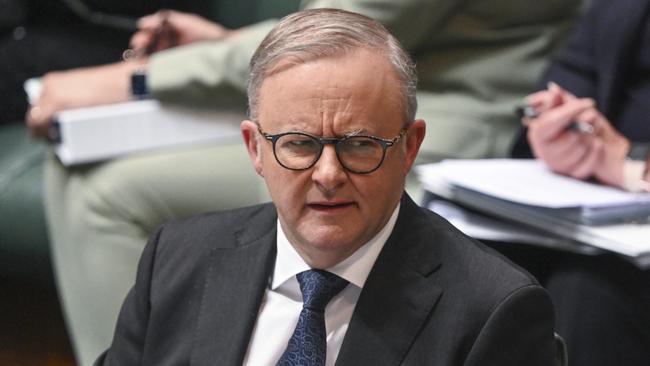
328	172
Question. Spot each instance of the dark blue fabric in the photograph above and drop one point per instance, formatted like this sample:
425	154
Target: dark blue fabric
308	345
636	93
600	61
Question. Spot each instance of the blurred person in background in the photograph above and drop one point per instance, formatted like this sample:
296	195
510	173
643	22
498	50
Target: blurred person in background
41	36
601	78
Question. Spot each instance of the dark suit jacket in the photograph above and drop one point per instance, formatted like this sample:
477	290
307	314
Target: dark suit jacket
596	61
434	297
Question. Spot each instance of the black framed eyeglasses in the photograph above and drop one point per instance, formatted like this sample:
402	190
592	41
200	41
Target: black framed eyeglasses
358	154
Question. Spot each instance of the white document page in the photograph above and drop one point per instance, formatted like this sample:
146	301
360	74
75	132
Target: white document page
527	181
524	178
628	239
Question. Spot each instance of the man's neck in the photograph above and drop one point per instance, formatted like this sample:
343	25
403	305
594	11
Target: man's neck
322	259
328	257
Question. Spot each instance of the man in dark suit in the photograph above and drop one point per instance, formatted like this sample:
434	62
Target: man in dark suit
342	267
601	77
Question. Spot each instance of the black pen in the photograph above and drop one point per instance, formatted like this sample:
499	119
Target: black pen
162	30
528	111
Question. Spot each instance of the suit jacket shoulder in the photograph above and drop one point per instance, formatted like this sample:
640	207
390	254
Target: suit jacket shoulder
438	297
214	230
194	276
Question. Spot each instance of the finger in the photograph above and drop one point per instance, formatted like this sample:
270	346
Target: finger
567	151
165	35
555	93
556	89
555	121
586	167
559	153
167	38
590	119
140	40
151	21
538	99
544	100
38	121
600	123
174	18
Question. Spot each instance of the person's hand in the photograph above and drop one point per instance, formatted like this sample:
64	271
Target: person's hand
580	155
169	28
79	88
553	96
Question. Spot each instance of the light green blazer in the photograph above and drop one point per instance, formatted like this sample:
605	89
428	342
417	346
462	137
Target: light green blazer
476	59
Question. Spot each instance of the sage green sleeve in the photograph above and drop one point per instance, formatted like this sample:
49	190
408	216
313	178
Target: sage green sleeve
216	72
410	21
207	73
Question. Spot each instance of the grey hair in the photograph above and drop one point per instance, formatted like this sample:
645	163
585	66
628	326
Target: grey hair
318	33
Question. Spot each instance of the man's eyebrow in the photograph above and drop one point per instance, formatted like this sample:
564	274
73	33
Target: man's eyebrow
357	132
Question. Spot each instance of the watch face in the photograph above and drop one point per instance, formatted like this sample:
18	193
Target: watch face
139	84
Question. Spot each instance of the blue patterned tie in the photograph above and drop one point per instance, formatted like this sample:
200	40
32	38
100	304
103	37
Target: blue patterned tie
308	344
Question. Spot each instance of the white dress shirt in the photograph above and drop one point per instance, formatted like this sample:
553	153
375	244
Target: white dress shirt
282	301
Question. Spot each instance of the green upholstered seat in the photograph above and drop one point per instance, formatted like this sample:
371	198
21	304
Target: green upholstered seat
24	247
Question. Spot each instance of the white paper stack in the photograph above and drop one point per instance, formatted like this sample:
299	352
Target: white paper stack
526	192
93	134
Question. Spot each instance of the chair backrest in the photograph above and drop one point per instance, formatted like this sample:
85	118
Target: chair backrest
561	356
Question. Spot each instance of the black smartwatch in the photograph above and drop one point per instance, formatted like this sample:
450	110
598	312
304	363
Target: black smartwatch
139	88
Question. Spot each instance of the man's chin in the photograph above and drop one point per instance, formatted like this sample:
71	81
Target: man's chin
331	239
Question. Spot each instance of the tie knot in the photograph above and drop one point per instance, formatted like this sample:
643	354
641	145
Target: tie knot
319	287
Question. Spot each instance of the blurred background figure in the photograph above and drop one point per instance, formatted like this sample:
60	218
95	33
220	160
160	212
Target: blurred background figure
601	78
476	60
37	37
41	36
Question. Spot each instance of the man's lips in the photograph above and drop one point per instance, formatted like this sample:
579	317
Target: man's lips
330	206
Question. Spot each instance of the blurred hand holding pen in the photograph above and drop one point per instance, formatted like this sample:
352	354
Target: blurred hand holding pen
150	39
554	96
527	113
573	138
170	28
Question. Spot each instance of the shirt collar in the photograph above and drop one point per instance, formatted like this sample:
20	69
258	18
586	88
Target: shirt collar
355	269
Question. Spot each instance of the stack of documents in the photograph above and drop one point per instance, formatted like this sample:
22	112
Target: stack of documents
525	191
93	134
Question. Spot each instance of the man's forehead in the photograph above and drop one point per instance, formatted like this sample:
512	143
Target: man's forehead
348	93
334	80
291	59
342	58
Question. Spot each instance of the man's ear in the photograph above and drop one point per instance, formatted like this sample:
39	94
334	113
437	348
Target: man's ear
249	133
414	139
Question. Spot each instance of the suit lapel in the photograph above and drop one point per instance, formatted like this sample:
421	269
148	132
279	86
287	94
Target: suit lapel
620	34
398	295
233	291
